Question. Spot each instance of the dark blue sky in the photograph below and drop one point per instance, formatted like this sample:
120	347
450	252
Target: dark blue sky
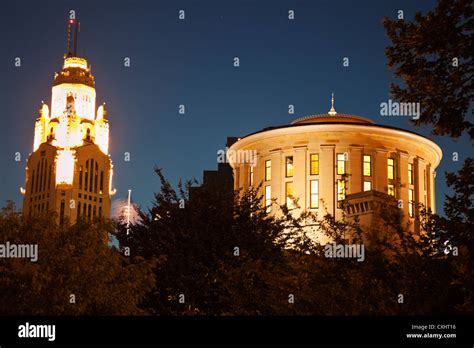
190	62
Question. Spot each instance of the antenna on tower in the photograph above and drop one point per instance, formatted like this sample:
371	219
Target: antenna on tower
76	30
70	23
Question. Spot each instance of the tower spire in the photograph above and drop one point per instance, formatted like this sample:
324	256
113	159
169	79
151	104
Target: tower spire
332	111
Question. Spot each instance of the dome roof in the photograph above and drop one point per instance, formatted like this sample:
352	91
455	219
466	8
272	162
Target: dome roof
332	118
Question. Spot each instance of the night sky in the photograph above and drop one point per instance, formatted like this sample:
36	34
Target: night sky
190	62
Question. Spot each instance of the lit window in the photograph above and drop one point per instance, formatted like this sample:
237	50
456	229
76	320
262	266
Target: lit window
268	170
80	177
390	168
367	185
367	165
101	188
411	203
251	176
314	194
410	173
268	198
391	190
289	166
341	163
341	189
289	195
314	164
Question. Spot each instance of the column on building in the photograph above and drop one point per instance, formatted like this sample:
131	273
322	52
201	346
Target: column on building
421	178
237	182
355	169
277	182
300	176
402	172
243	175
380	170
258	172
419	168
433	195
428	185
327	181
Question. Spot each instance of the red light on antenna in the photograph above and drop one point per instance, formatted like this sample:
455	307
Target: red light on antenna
71	21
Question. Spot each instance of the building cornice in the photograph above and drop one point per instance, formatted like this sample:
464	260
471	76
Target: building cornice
371	129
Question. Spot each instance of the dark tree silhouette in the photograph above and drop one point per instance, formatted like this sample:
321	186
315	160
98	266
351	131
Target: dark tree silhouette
72	260
221	255
433	57
276	260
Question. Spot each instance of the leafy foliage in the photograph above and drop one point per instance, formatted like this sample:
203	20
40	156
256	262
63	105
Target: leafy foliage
278	260
72	260
433	57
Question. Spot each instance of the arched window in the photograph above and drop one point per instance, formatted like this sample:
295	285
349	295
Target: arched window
41	175
88	134
96	176
91	175
37	177
80	177
49	176
32	181
101	181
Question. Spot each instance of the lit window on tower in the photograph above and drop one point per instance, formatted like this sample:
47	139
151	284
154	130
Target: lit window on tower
411	202
390	168
289	166
314	164
341	164
341	189
367	165
367	185
268	170
314	194
268	198
391	190
251	175
289	195
410	173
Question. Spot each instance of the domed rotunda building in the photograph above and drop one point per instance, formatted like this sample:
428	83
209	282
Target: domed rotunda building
325	160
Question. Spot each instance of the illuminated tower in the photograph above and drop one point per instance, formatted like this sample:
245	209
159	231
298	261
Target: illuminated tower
70	170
